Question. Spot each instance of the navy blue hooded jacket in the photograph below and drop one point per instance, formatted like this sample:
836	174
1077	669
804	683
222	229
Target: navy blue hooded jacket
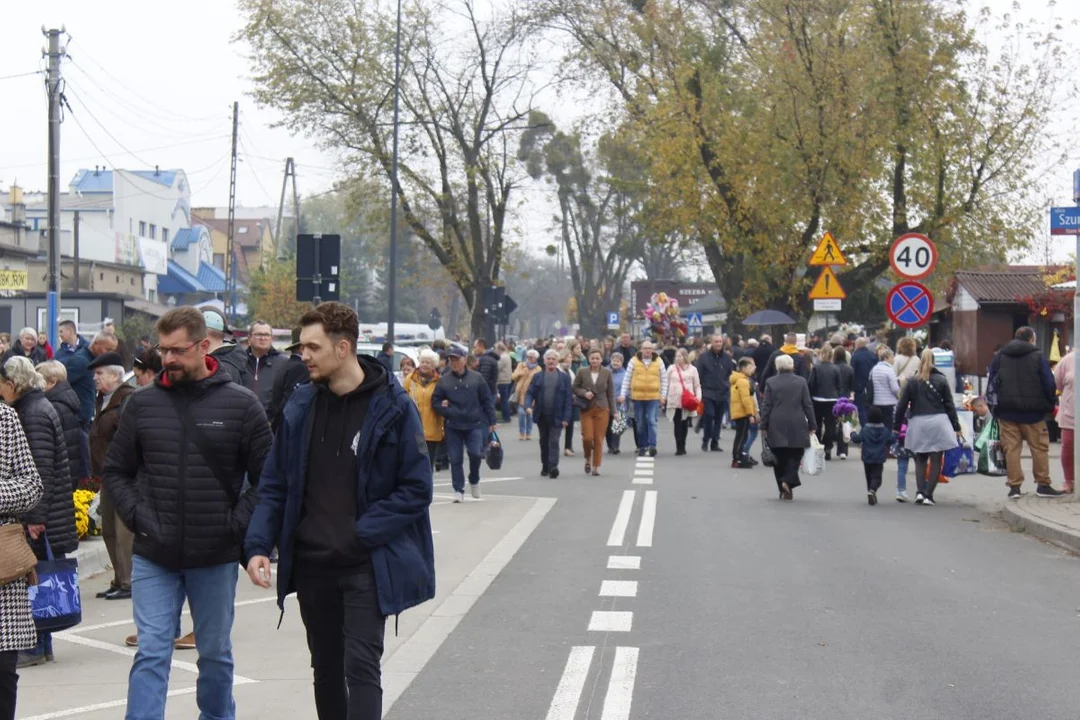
862	362
394	492
875	439
80	377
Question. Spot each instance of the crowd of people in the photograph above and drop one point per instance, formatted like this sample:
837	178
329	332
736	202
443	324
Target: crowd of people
216	453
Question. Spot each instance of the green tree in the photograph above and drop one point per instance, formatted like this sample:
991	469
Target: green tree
467	80
769	121
272	295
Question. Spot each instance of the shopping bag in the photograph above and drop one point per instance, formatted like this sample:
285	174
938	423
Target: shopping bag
494	452
990	431
619	424
55	601
958	461
847	430
992	459
768	458
813	461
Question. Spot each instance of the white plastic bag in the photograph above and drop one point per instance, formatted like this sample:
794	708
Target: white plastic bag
813	460
94	511
847	431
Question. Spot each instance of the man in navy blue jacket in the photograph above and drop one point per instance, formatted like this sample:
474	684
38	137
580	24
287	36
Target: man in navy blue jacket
548	400
462	397
345	496
863	361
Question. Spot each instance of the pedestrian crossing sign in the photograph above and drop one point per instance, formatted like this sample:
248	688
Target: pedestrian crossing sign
828	253
694	321
827	287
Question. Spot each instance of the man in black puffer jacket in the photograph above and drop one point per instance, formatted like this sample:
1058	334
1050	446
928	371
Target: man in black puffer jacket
489	365
175	470
1026	393
67	404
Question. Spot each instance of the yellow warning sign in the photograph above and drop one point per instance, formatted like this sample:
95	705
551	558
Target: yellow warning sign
827	287
828	253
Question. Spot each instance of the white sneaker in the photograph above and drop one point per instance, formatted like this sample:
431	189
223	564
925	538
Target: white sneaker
475	490
841	456
919	499
928	501
459	497
901	496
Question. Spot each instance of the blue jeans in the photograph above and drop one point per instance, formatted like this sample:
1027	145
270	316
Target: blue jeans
645	414
458	442
901	473
713	420
751	436
157	598
525	422
504	401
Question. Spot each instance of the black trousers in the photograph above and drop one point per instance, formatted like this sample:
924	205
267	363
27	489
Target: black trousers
570	434
742	431
9	683
826	423
345	636
549	443
682	429
927	471
787	466
873	475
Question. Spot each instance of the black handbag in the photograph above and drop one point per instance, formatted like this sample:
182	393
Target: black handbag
768	457
494	452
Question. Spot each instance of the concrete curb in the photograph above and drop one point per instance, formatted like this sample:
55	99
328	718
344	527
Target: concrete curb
93	558
1019	517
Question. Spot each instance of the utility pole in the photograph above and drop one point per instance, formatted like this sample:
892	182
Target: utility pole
53	82
75	250
230	249
394	184
279	246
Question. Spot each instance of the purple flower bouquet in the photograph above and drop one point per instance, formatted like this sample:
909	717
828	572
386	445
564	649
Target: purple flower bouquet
845	411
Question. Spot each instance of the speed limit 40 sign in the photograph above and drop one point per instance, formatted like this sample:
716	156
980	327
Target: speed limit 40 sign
913	256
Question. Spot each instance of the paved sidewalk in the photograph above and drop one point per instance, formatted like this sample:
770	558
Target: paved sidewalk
1057	521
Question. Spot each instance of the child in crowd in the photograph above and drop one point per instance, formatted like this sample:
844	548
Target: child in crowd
875	439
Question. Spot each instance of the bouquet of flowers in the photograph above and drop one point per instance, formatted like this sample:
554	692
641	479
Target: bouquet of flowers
847	415
85	513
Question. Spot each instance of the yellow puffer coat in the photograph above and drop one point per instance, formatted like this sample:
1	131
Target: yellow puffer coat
421	392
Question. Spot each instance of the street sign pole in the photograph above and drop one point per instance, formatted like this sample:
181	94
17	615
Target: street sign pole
1076	329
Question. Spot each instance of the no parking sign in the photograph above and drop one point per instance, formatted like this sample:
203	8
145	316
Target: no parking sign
909	305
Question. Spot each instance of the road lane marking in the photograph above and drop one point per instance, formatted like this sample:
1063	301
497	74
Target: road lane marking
611	621
641	480
622	519
643	471
648	520
620	692
71	712
130	652
624	562
618	588
568	694
83	629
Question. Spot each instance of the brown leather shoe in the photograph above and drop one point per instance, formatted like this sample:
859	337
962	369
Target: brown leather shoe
132	641
187	642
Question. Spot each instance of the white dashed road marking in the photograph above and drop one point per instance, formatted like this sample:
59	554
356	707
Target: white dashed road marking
620	692
622	519
618	588
611	621
624	562
567	696
648	520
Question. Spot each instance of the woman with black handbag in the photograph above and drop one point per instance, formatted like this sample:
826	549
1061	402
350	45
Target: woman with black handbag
20	492
23	388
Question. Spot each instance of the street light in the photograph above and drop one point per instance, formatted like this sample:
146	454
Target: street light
394	182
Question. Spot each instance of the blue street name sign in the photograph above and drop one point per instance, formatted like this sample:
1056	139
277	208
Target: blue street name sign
1065	221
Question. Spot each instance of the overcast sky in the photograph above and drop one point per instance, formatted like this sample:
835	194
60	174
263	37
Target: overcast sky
152	83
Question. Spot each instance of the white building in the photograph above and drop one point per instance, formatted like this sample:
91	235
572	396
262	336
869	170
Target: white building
125	217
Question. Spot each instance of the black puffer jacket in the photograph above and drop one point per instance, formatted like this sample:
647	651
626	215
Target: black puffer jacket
56	511
164	489
489	368
233	360
926	397
66	402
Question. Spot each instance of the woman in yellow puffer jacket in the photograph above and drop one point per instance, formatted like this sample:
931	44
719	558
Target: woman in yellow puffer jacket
420	384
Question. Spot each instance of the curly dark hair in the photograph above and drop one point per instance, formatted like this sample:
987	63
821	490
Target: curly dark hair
338	320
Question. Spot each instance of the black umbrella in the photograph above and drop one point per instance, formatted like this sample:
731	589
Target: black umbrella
769	317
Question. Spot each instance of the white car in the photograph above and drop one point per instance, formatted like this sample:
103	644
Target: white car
373	350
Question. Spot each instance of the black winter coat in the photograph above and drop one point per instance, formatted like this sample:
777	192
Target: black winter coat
263	371
489	369
291	375
714	371
926	397
66	402
163	487
847	379
233	359
36	356
56	511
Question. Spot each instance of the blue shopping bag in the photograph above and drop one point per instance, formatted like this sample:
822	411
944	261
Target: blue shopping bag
959	461
55	600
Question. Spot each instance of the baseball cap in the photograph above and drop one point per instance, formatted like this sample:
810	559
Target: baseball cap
455	351
216	321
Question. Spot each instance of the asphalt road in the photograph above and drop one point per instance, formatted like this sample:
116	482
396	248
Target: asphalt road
673	589
749	607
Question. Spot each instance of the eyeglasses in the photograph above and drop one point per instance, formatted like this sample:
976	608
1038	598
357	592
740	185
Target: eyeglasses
165	352
261	335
